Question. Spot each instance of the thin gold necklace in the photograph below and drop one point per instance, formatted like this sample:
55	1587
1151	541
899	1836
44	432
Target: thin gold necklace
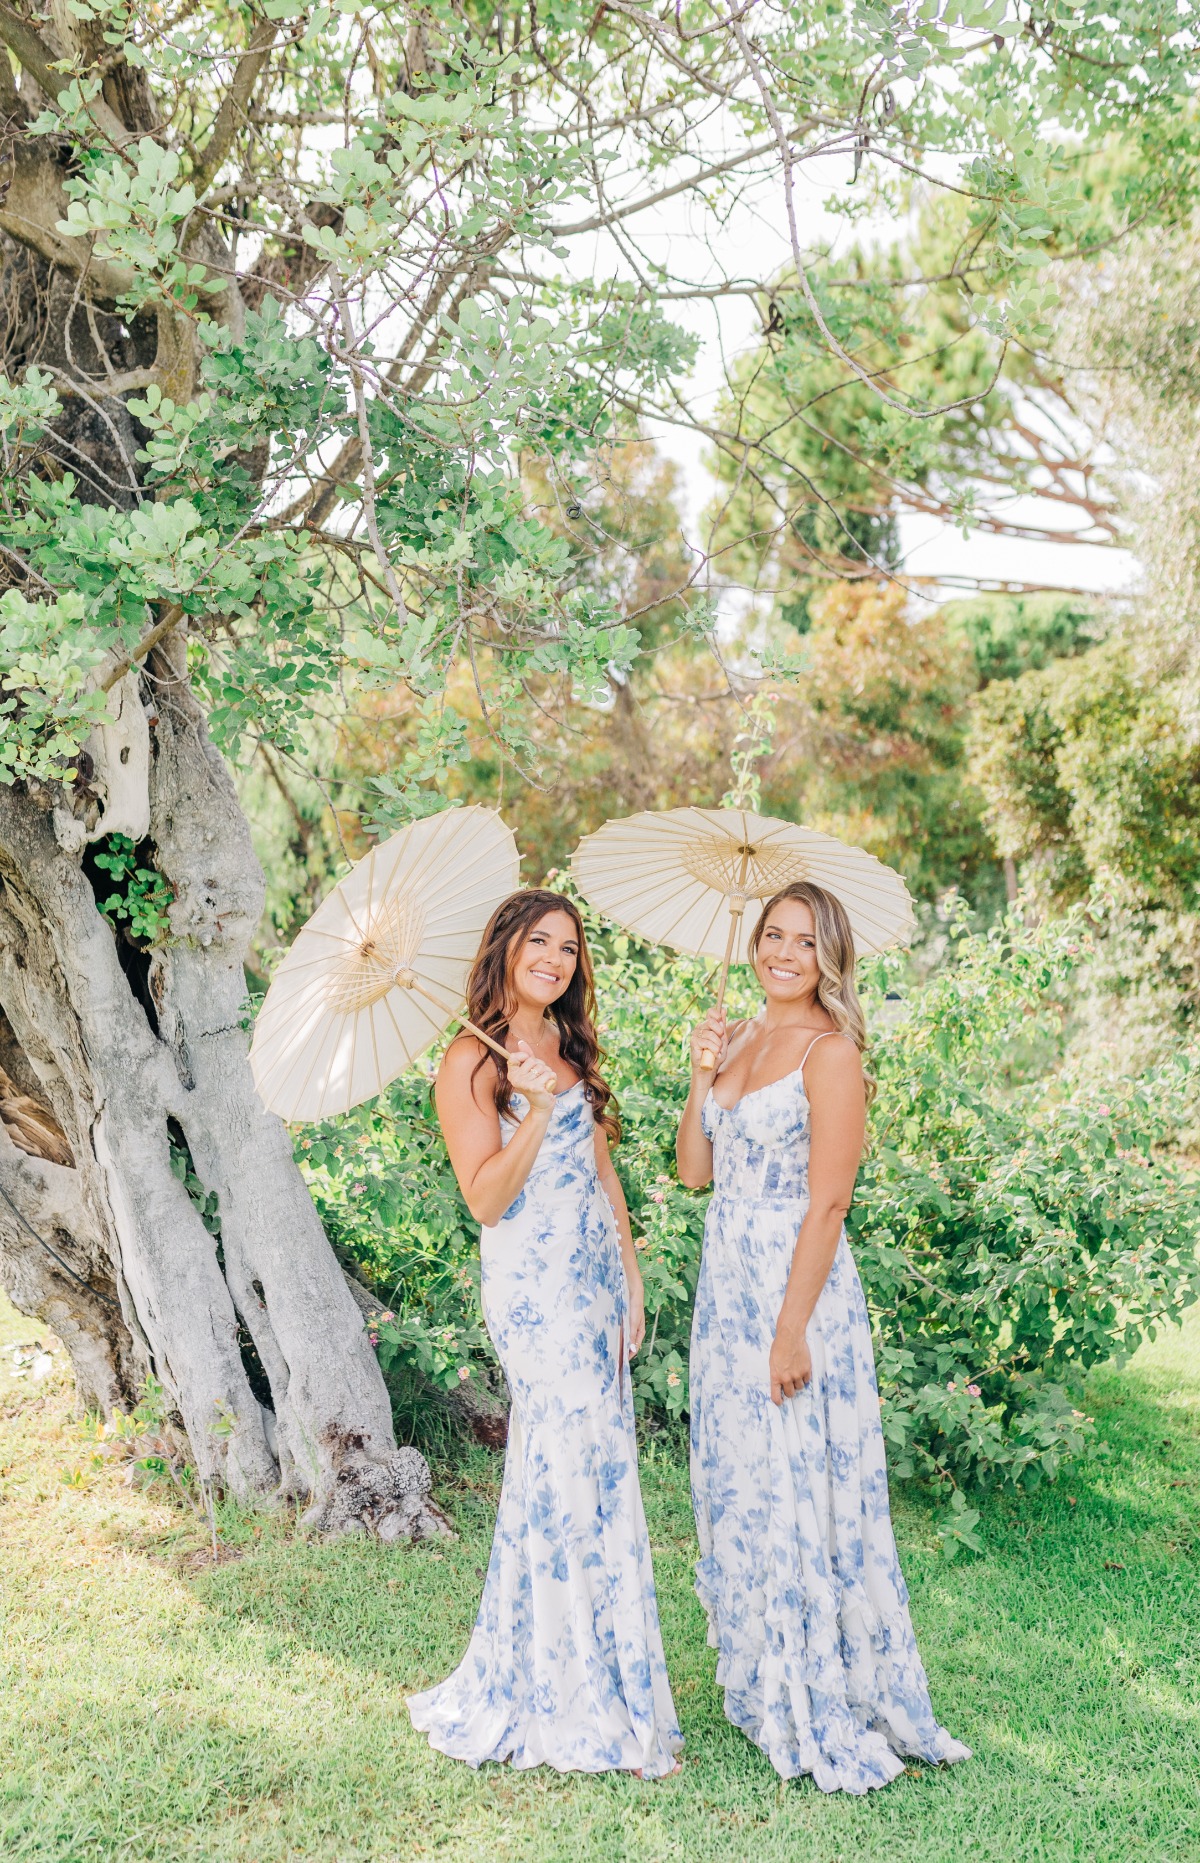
546	1029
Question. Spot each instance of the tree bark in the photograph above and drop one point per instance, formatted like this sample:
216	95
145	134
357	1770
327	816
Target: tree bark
128	1049
113	1055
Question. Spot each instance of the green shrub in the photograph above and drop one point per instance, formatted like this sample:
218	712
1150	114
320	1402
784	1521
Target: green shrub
1012	1225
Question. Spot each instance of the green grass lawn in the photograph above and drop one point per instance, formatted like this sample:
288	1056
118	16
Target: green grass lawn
155	1707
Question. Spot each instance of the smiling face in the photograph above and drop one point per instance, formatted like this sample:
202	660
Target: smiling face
545	960
786	960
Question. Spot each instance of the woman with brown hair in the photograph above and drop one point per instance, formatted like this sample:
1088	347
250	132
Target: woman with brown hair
798	1571
565	1665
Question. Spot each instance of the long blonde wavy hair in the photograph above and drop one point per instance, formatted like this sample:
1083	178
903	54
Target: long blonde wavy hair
836	992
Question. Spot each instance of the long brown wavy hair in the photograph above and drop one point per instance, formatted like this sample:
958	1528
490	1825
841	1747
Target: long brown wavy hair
834	940
492	1002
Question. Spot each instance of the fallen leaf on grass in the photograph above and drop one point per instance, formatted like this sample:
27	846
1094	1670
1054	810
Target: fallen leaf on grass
1113	1565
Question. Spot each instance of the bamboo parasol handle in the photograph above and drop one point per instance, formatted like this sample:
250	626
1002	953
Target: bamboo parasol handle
406	980
708	1059
466	1023
737	905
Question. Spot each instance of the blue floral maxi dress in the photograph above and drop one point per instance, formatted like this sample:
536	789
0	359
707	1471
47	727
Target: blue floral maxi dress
565	1665
798	1571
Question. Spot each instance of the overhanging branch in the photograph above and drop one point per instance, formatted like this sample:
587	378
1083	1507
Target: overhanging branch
36	57
145	645
235	103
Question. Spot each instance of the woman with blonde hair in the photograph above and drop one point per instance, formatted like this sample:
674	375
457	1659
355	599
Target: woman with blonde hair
798	1572
565	1664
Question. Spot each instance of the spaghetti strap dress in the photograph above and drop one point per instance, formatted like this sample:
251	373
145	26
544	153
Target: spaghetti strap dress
565	1664
798	1573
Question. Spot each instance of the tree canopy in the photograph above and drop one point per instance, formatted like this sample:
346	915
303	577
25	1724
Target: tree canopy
310	292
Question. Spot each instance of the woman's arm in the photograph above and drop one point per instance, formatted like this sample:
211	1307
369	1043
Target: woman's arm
837	1112
491	1175
611	1184
693	1152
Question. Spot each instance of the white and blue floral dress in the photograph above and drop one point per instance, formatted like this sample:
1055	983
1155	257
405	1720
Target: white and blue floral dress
798	1571
565	1665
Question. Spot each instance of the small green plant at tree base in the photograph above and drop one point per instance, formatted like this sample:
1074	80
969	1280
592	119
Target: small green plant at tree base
142	1437
1013	1225
140	896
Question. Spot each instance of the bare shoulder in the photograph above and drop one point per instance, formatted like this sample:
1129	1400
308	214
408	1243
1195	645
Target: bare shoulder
834	1062
457	1070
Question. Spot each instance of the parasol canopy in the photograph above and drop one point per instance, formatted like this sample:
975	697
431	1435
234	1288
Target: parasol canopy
380	969
683	877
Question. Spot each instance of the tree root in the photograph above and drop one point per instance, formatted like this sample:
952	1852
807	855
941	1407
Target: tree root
386	1495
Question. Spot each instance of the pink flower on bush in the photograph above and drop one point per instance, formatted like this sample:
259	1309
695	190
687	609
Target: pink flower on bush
658	1196
464	1371
974	1390
672	1379
387	1316
952	1386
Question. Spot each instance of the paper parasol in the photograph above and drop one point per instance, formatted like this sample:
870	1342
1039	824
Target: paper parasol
380	968
683	877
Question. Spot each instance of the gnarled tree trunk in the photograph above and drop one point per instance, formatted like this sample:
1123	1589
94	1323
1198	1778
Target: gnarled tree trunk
113	1056
129	1050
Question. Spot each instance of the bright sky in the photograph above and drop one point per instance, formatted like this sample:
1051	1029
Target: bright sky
681	236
